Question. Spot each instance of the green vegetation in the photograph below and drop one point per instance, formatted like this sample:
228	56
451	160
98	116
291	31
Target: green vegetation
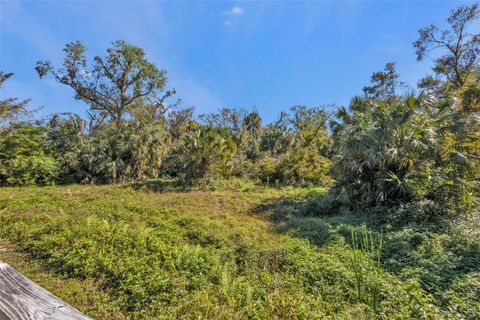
24	157
255	252
199	254
369	212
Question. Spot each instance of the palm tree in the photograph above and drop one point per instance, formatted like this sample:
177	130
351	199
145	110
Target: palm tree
252	124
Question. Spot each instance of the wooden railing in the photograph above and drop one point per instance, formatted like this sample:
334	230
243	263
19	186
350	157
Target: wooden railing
22	299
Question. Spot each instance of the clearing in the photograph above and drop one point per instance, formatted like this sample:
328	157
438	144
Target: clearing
244	251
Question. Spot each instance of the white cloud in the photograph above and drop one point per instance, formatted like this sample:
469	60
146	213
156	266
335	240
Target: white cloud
235	11
232	13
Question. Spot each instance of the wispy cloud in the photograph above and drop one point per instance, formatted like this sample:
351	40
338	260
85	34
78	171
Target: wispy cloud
235	11
232	14
15	20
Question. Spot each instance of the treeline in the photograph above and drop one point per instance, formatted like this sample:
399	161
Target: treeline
391	145
134	131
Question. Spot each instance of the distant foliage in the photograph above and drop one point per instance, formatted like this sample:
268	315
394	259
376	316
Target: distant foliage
459	47
132	132
295	148
205	153
11	109
392	146
125	136
106	154
299	166
25	158
402	149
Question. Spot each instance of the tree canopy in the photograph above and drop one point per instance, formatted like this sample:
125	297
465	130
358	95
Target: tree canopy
116	84
390	146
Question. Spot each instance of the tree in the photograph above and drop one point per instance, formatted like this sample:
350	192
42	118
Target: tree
304	162
457	90
276	136
24	156
116	84
309	126
376	146
104	154
460	48
384	83
179	123
11	109
155	110
252	124
125	136
293	148
206	151
230	119
404	149
469	93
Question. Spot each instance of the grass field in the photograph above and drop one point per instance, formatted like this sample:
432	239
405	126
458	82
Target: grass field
236	251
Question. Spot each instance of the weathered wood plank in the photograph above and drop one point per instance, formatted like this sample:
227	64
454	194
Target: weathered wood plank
22	299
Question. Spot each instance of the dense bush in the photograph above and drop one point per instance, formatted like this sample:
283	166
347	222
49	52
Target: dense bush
206	152
298	166
115	152
133	132
25	158
405	149
393	149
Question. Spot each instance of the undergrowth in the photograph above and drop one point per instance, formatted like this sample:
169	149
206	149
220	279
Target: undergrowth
221	254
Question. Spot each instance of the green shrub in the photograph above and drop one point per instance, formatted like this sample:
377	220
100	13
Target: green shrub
299	166
205	153
25	158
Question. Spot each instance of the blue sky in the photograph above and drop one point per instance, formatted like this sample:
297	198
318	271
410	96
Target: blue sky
268	55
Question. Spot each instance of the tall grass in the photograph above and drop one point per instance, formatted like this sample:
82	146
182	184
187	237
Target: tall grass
364	261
